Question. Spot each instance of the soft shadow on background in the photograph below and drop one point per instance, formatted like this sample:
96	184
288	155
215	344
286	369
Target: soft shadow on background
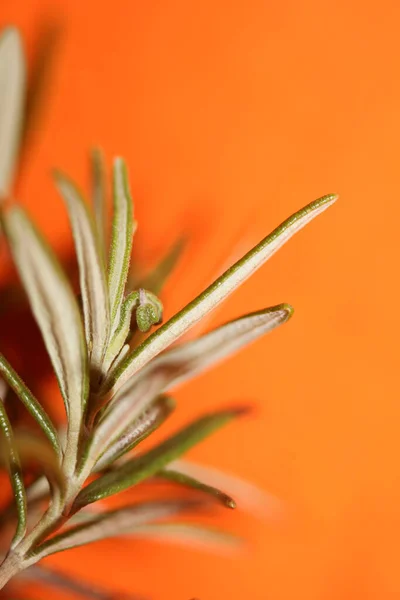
231	115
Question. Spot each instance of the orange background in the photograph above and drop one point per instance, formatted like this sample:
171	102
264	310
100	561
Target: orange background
233	114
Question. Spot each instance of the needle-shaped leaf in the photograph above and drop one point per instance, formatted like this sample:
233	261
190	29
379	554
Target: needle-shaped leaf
195	484
184	362
125	410
114	523
187	360
153	461
150	420
215	293
236	250
199	537
99	196
12	100
247	495
91	271
30	403
57	314
10	455
121	243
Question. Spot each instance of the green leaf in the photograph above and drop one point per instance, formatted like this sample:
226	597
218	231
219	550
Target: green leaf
99	195
11	456
91	271
150	420
57	314
118	522
12	100
184	362
30	403
121	243
204	303
195	484
189	535
188	360
147	465
123	411
157	278
247	495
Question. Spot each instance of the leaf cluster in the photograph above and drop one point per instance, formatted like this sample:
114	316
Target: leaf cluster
115	383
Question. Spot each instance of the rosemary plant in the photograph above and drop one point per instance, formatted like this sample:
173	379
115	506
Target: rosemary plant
113	361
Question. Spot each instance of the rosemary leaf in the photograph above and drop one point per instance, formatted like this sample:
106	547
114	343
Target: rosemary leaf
136	470
10	454
121	243
187	360
175	366
193	536
113	523
91	270
57	314
150	420
215	293
99	197
190	482
248	496
12	104
30	403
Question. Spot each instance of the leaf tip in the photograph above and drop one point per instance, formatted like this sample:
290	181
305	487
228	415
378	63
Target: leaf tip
11	35
240	411
57	174
286	309
96	152
119	163
61	179
328	199
230	502
169	403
